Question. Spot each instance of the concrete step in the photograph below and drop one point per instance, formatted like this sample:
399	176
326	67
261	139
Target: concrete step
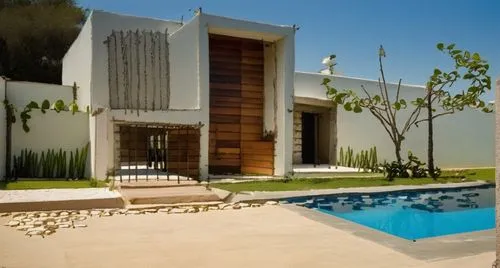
156	184
169	195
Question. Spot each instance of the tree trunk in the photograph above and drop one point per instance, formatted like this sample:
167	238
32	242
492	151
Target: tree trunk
430	138
397	146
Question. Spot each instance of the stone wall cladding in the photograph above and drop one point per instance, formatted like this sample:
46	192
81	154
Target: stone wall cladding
297	137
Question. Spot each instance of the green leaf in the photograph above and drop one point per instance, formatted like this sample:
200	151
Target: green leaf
440	46
33	105
45	105
26	128
73	107
326	81
397	106
437	72
376	98
348	107
357	109
450	47
58	105
476	57
469	76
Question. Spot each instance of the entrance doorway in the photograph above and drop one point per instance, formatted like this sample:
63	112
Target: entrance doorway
157	151
309	138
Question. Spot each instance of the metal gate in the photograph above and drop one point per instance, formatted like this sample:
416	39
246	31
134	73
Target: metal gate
157	152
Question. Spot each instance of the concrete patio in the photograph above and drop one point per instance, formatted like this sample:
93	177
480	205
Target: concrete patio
270	236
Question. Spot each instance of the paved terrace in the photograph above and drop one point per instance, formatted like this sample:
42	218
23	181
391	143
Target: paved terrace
270	236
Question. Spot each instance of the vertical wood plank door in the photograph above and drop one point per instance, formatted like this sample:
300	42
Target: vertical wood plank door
225	105
237	108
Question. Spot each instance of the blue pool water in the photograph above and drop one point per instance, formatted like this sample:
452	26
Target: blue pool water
413	215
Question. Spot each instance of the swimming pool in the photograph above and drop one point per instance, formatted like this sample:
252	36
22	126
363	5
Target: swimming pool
413	214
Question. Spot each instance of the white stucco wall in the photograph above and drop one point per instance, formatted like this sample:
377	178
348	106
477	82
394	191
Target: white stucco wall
22	93
465	139
89	51
103	23
184	71
3	126
77	65
51	130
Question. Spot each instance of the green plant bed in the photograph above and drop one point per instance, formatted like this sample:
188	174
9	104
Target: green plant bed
346	182
31	184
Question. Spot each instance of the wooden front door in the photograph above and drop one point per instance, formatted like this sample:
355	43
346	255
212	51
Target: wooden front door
236	108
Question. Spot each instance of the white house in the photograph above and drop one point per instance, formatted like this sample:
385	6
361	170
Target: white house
218	96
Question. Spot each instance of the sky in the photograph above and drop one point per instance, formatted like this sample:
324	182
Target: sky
354	29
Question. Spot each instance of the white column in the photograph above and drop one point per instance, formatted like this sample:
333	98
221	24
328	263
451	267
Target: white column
204	93
285	51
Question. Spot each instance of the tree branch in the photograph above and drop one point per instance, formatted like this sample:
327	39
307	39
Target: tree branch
435	116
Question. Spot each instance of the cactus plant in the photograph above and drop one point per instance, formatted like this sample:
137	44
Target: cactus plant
365	160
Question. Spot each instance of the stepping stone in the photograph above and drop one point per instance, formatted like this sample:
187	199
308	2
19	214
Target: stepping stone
244	205
271	203
84	212
178	210
13	223
133	212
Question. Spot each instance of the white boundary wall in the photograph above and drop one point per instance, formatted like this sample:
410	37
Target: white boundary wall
51	130
465	139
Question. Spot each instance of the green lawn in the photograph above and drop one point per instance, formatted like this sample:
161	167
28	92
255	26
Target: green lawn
48	184
339	182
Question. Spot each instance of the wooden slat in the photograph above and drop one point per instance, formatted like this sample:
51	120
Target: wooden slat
227	86
257	171
248	87
228	151
252	94
228	136
226	162
251	120
252	112
258	145
251	128
225	111
225	127
256	163
251	137
267	157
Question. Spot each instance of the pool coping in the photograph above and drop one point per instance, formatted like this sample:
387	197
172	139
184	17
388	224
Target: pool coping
279	195
428	249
